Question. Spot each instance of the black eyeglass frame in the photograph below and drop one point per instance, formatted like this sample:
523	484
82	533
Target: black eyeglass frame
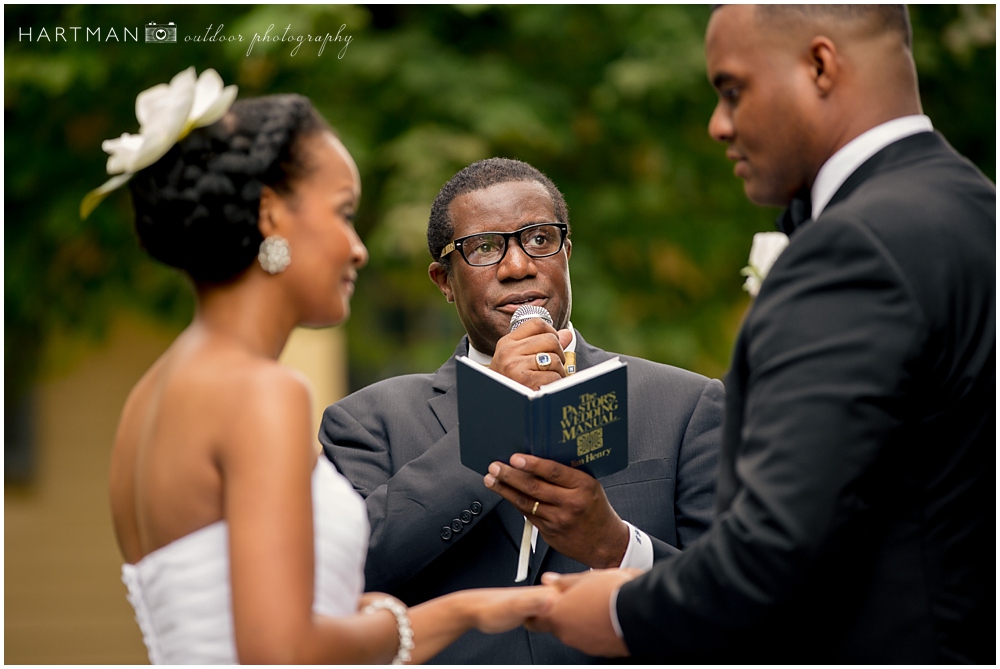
457	244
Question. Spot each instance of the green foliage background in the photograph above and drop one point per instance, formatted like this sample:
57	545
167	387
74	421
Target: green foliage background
609	101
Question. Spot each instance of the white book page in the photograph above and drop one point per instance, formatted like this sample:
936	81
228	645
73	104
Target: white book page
555	386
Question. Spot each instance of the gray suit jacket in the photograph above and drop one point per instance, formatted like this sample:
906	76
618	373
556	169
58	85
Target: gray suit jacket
436	528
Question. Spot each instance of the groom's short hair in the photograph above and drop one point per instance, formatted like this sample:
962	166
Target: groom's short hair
877	19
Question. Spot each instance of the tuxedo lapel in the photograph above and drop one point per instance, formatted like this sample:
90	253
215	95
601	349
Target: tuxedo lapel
444	404
913	146
587	355
445	407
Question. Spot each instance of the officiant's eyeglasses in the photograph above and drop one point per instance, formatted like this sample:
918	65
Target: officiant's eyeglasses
488	248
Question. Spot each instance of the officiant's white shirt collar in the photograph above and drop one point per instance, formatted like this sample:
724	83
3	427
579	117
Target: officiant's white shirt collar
483	359
844	162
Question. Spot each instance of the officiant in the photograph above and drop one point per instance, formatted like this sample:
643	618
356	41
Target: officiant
438	527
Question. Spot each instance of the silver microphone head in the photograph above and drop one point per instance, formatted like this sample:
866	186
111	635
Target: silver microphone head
526	312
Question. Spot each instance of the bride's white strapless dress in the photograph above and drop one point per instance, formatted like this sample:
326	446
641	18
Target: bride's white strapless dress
181	592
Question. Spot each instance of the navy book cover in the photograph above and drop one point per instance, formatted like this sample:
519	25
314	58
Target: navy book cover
580	421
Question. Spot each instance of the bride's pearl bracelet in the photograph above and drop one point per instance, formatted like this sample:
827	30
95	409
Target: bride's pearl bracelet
396	608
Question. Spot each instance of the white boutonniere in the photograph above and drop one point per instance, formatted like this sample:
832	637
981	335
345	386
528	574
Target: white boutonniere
766	248
166	114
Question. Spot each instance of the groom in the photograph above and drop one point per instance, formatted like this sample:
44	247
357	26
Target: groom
857	483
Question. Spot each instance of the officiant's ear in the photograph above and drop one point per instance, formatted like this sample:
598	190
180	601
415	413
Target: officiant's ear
439	275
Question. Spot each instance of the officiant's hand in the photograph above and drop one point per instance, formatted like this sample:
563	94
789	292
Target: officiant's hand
516	354
573	514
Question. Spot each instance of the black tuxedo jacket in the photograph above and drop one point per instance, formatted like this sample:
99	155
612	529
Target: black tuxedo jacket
436	528
856	491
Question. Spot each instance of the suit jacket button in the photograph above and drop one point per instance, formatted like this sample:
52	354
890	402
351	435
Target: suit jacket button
446	533
476	508
456	525
466	517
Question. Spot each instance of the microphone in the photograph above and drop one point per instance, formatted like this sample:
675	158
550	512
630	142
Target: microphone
526	312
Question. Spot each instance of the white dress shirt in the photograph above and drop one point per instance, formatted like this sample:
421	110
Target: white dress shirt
844	162
639	553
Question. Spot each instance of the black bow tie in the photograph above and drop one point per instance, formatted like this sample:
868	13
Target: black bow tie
799	211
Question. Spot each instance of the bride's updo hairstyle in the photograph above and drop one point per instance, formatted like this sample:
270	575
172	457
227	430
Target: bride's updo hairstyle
196	208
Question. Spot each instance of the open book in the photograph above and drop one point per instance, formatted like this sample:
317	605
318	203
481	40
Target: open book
580	420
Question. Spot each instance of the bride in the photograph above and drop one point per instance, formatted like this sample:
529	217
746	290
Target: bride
241	543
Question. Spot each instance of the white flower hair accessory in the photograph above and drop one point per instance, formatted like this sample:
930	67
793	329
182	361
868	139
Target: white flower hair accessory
764	250
166	114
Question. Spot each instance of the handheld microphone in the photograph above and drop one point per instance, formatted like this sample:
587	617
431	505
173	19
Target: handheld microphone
526	312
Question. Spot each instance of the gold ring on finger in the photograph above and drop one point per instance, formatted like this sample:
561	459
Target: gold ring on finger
543	360
534	509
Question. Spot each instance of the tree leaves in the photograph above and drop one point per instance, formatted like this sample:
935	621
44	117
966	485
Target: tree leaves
610	101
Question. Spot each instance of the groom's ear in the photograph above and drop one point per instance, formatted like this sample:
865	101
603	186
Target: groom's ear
825	67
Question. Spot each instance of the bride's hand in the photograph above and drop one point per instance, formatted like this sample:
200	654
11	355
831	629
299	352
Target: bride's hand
438	622
501	609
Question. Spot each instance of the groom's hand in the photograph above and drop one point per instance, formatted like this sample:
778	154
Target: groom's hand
580	616
573	514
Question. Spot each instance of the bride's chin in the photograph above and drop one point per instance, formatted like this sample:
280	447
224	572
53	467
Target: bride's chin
326	320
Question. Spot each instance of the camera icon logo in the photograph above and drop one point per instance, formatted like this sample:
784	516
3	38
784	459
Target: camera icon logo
161	32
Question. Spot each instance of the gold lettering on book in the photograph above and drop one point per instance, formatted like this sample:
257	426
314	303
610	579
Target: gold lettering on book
590	457
585	421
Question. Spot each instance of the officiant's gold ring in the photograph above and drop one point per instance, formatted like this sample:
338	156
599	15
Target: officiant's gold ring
543	360
534	508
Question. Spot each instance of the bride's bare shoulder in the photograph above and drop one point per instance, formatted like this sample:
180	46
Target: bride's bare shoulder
266	418
203	412
267	384
219	389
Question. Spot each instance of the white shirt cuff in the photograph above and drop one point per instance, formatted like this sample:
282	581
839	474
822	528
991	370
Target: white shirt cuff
639	554
614	614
